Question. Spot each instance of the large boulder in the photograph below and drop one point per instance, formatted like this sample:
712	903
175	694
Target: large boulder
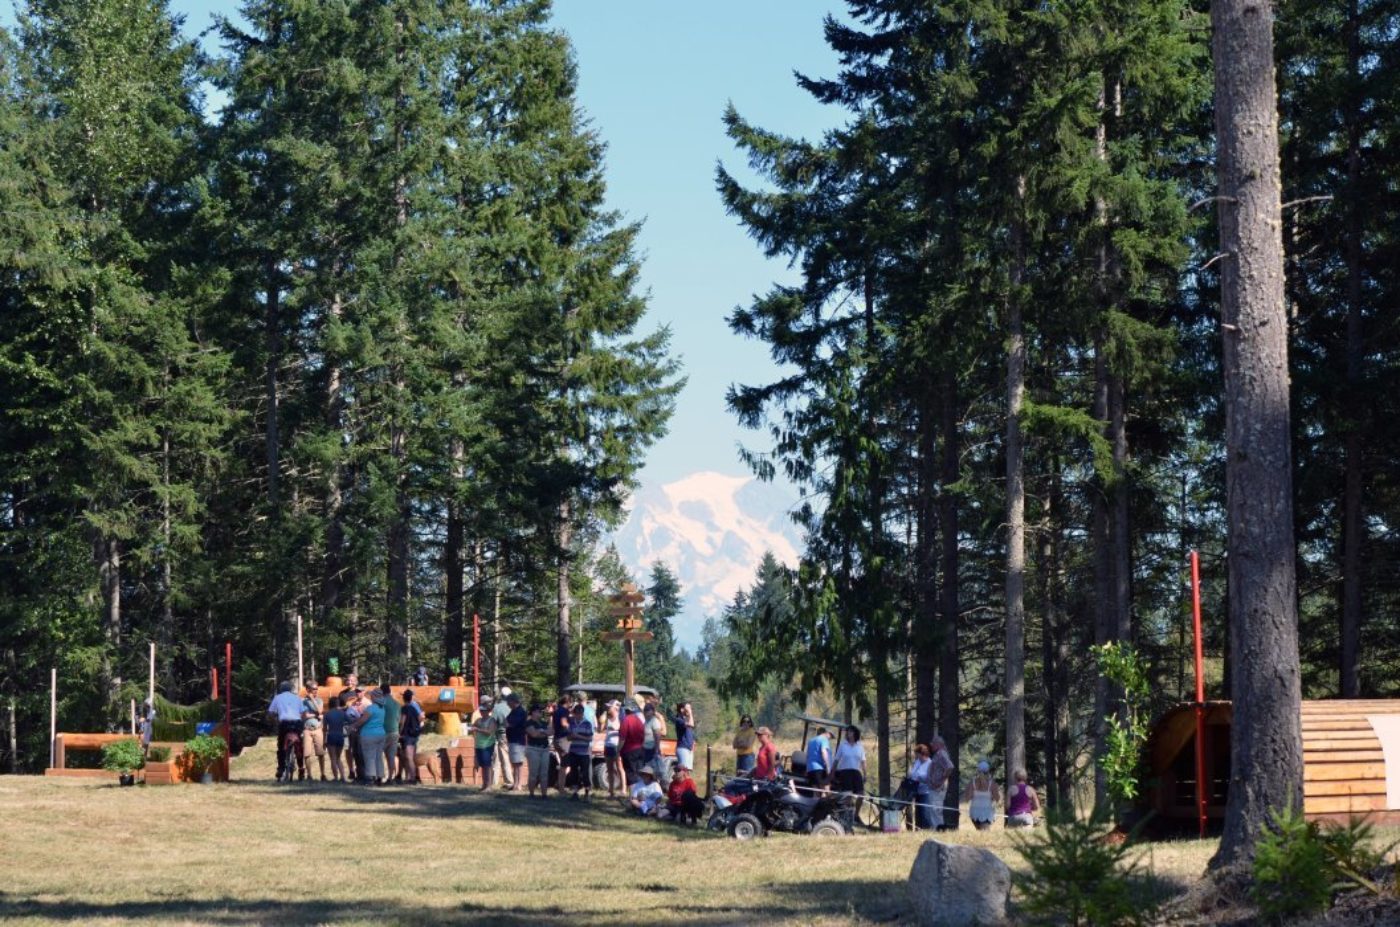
953	886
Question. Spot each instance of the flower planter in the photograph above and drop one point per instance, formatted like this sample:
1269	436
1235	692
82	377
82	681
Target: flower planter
127	778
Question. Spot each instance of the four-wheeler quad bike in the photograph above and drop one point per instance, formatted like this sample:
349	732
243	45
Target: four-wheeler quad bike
778	806
728	802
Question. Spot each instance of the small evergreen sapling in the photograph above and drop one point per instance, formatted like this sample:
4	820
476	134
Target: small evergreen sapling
1080	878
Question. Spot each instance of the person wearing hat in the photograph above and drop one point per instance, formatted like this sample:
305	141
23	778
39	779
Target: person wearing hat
745	747
982	796
484	730
313	736
646	796
766	759
148	724
516	717
581	752
500	711
682	804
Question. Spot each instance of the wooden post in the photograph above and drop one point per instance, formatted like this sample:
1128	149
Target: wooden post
151	684
53	712
301	675
626	607
629	668
14	740
1201	792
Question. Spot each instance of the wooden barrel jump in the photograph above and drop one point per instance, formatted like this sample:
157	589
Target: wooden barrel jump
1351	761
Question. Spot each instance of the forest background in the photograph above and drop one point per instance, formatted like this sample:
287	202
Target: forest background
369	350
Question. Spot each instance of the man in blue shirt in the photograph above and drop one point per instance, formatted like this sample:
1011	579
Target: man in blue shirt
581	752
516	717
818	759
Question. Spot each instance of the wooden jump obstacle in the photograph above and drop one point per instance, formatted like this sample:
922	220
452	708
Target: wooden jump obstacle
176	769
1351	761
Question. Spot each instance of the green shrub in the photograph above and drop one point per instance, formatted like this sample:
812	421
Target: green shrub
122	756
158	755
1293	872
1078	877
204	751
1125	732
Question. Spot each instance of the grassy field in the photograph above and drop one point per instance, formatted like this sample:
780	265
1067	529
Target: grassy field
253	852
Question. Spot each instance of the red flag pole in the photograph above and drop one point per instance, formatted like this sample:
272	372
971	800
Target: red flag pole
228	708
1200	692
476	660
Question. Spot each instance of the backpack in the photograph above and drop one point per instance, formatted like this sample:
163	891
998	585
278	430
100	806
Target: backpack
412	721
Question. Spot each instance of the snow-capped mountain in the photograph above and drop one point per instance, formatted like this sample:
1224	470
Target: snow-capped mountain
712	529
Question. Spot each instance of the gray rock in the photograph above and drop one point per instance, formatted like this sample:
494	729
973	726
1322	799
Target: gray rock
952	886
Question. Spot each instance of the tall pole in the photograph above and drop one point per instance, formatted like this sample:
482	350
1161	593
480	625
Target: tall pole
476	659
53	713
629	658
151	684
228	705
301	673
1201	795
133	716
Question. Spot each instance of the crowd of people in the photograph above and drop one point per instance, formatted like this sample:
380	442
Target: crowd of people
367	735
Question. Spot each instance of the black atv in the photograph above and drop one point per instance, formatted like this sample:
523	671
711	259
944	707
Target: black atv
779	806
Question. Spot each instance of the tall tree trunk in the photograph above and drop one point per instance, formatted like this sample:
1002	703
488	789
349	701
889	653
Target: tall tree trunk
1353	482
333	568
496	676
272	336
107	551
166	635
1266	762
455	627
1103	610
882	711
1120	528
1049	637
925	634
396	625
949	659
1015	502
563	629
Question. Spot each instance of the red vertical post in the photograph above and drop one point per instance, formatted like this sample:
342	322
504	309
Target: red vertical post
476	660
228	707
1201	792
214	683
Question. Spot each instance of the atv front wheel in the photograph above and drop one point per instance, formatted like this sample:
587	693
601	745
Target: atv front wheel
745	827
828	828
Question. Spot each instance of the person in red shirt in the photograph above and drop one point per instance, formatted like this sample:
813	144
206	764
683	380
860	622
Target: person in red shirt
631	735
682	804
766	766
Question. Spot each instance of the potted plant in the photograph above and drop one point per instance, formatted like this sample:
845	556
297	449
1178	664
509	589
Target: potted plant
123	757
333	668
205	751
454	670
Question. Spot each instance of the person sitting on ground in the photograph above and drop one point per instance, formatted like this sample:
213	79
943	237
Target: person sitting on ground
285	707
685	735
370	727
410	729
766	759
392	716
682	804
313	736
537	752
1021	802
516	717
631	742
612	757
849	765
818	760
335	721
581	752
745	747
982	796
484	731
646	796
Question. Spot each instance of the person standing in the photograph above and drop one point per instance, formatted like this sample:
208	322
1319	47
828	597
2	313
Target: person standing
410	729
285	707
313	737
917	782
537	752
745	747
685	735
982	796
335	721
354	755
849	764
939	775
1021	802
515	719
392	716
651	740
581	752
484	731
818	760
560	716
371	731
612	755
500	711
766	759
631	742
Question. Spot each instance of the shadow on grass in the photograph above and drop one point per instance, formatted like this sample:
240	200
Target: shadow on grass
791	903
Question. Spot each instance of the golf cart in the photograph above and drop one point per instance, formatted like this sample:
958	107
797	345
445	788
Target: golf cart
600	693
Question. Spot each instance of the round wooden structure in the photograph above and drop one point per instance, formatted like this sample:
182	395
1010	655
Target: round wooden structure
1351	761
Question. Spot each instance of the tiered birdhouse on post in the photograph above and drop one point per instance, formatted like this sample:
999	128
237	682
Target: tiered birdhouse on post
626	607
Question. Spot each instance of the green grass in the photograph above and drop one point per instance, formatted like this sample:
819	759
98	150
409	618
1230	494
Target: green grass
254	852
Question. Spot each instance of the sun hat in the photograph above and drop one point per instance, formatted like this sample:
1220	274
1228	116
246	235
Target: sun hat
505	691
647	771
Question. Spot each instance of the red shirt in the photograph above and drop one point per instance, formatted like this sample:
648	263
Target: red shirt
765	767
631	733
676	793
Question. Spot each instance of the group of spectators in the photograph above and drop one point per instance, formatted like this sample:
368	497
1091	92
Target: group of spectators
368	735
930	775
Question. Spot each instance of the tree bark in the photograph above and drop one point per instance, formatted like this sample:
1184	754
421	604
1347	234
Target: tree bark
107	551
1266	763
333	568
1015	503
563	628
1103	610
1120	528
925	634
949	689
455	627
1353	482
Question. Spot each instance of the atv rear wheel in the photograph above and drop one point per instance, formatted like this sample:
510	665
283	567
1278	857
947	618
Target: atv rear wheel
719	821
828	828
745	827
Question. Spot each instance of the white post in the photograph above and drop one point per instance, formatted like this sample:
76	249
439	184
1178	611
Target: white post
133	716
151	686
300	675
53	713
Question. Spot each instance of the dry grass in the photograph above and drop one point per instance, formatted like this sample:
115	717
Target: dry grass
253	852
